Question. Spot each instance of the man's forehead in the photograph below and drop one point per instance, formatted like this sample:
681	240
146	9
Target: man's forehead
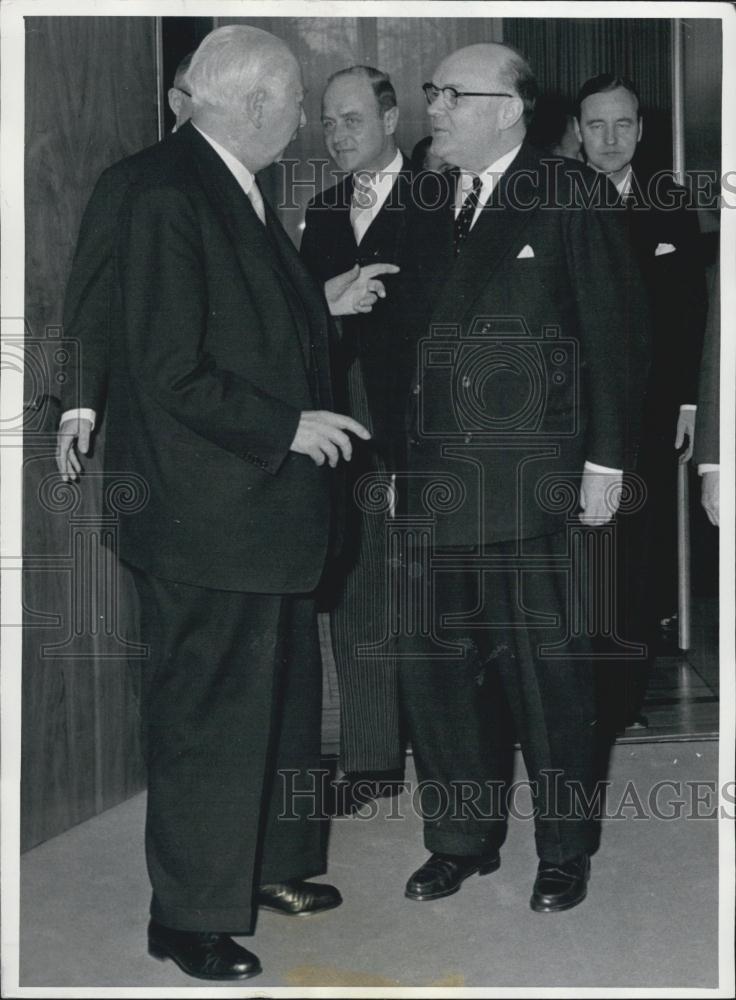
348	93
618	101
470	71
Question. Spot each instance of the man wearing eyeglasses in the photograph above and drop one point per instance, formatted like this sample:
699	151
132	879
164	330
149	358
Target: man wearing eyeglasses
528	337
362	220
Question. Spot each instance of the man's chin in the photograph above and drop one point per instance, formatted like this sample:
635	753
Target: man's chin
345	161
440	147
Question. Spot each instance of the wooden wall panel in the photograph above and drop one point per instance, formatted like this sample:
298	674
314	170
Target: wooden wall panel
91	98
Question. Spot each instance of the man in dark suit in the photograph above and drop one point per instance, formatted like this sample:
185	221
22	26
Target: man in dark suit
362	220
666	241
706	454
88	295
219	404
528	334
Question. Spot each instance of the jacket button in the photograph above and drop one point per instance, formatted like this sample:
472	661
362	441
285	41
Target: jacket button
468	438
416	390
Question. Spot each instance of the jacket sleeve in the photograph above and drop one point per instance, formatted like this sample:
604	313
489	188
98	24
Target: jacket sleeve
162	274
88	300
614	321
707	431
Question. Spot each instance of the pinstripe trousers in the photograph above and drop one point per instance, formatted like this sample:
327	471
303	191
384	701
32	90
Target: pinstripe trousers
370	737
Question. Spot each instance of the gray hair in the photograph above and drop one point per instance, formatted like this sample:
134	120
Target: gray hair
231	60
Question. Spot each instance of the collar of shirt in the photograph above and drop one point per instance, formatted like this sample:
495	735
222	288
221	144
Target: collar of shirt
624	186
241	174
488	179
380	183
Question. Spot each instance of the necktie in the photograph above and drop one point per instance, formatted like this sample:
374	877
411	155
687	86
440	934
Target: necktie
256	200
362	202
465	216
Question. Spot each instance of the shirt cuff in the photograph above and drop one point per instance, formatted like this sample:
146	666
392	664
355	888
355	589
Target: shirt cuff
82	414
708	467
687	406
592	467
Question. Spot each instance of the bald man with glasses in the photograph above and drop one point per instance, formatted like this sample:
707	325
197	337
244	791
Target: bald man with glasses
527	345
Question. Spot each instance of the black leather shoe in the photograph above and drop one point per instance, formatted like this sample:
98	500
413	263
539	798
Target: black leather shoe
560	887
201	954
296	898
443	874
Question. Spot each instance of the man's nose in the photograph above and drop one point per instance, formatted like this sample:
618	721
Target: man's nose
610	136
436	107
340	133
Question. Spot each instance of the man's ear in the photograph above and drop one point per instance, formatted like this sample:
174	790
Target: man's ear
254	106
641	129
578	133
175	97
510	112
390	120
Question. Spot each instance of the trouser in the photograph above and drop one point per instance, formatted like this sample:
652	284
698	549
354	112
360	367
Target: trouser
231	723
370	725
459	706
645	582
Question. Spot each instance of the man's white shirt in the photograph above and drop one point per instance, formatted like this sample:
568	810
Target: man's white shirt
377	187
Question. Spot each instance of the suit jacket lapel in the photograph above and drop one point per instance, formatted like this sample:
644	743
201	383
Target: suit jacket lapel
252	244
383	236
496	233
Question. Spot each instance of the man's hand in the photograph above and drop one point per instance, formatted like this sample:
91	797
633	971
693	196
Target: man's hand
70	431
685	429
710	495
321	435
356	290
600	495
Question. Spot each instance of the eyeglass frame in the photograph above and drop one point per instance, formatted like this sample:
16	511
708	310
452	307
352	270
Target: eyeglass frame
458	93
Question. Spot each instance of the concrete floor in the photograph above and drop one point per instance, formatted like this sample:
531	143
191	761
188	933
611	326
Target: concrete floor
650	919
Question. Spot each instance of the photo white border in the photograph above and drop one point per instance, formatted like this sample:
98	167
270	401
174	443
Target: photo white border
12	294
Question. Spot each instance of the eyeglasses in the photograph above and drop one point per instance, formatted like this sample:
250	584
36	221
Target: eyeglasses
182	91
450	95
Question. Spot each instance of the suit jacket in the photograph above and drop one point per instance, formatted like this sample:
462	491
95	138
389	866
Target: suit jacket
329	248
89	290
666	238
219	341
707	430
526	355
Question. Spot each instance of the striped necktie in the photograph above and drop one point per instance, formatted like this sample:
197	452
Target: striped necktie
361	203
464	218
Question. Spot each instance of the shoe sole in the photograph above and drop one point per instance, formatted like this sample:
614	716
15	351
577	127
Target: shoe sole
487	869
556	907
161	954
298	913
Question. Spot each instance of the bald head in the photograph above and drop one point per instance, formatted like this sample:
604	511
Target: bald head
480	129
247	93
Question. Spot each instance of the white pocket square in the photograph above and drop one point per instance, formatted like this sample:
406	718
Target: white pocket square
528	252
663	248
